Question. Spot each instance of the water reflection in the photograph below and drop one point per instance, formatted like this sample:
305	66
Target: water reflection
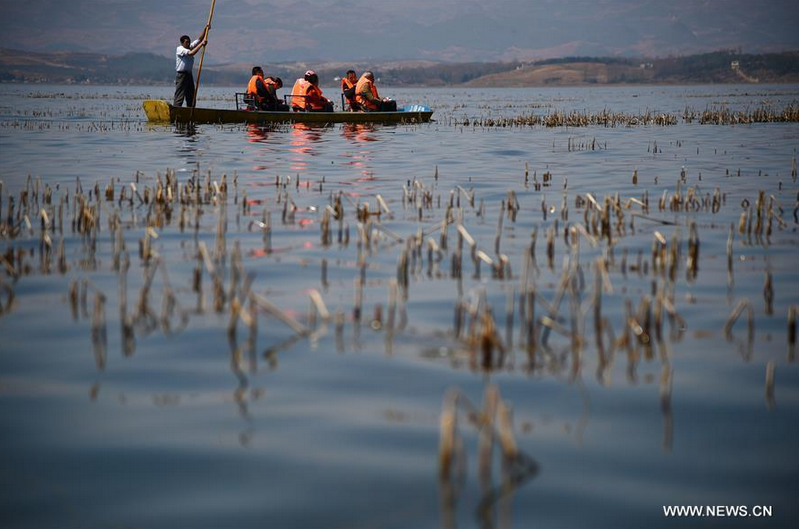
360	135
257	133
304	143
356	132
185	130
493	424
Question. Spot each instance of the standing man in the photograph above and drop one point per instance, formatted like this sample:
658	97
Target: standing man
184	62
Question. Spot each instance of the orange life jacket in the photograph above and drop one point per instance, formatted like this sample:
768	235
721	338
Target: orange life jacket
252	88
315	100
364	85
347	85
312	100
299	90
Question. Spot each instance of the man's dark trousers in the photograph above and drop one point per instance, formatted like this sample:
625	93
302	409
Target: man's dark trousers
184	89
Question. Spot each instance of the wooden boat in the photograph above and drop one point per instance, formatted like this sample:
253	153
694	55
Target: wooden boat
159	111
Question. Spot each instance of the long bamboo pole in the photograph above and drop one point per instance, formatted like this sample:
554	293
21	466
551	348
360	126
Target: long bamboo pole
202	57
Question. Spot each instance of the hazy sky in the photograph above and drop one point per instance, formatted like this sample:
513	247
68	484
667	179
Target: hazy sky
458	30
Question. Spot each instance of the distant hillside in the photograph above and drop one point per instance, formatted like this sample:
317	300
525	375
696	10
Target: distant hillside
77	67
147	68
717	67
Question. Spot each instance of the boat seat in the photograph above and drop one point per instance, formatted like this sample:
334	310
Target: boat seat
346	105
245	101
289	97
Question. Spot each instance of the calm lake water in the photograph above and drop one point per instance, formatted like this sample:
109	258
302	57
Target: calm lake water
177	423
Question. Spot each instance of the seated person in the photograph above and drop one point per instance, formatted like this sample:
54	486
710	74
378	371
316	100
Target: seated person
306	96
262	92
348	89
273	84
366	95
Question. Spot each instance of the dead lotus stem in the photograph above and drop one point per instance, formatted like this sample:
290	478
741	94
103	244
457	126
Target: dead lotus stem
403	274
529	319
467	237
768	293
433	248
469	195
664	222
99	329
502	268
576	323
236	270
645	317
448	432
237	301
793	312
635	326
506	438
551	246
363	236
593	201
637	202
486	443
73	298
169	305
658	316
730	236
693	249
742	222
219	293
318	304
735	314
9	295
393	291
324	226
770	384
597	301
456	265
444	228
383	205
485	258
674	317
526	259
590	238
84	292
358	300
550	323
509	316
270	308
388	232
607	285
209	265
489	340
498	237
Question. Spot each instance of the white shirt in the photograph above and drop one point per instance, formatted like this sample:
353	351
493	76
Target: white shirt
183	61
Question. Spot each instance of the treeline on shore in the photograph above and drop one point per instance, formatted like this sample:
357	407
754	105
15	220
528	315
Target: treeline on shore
145	68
